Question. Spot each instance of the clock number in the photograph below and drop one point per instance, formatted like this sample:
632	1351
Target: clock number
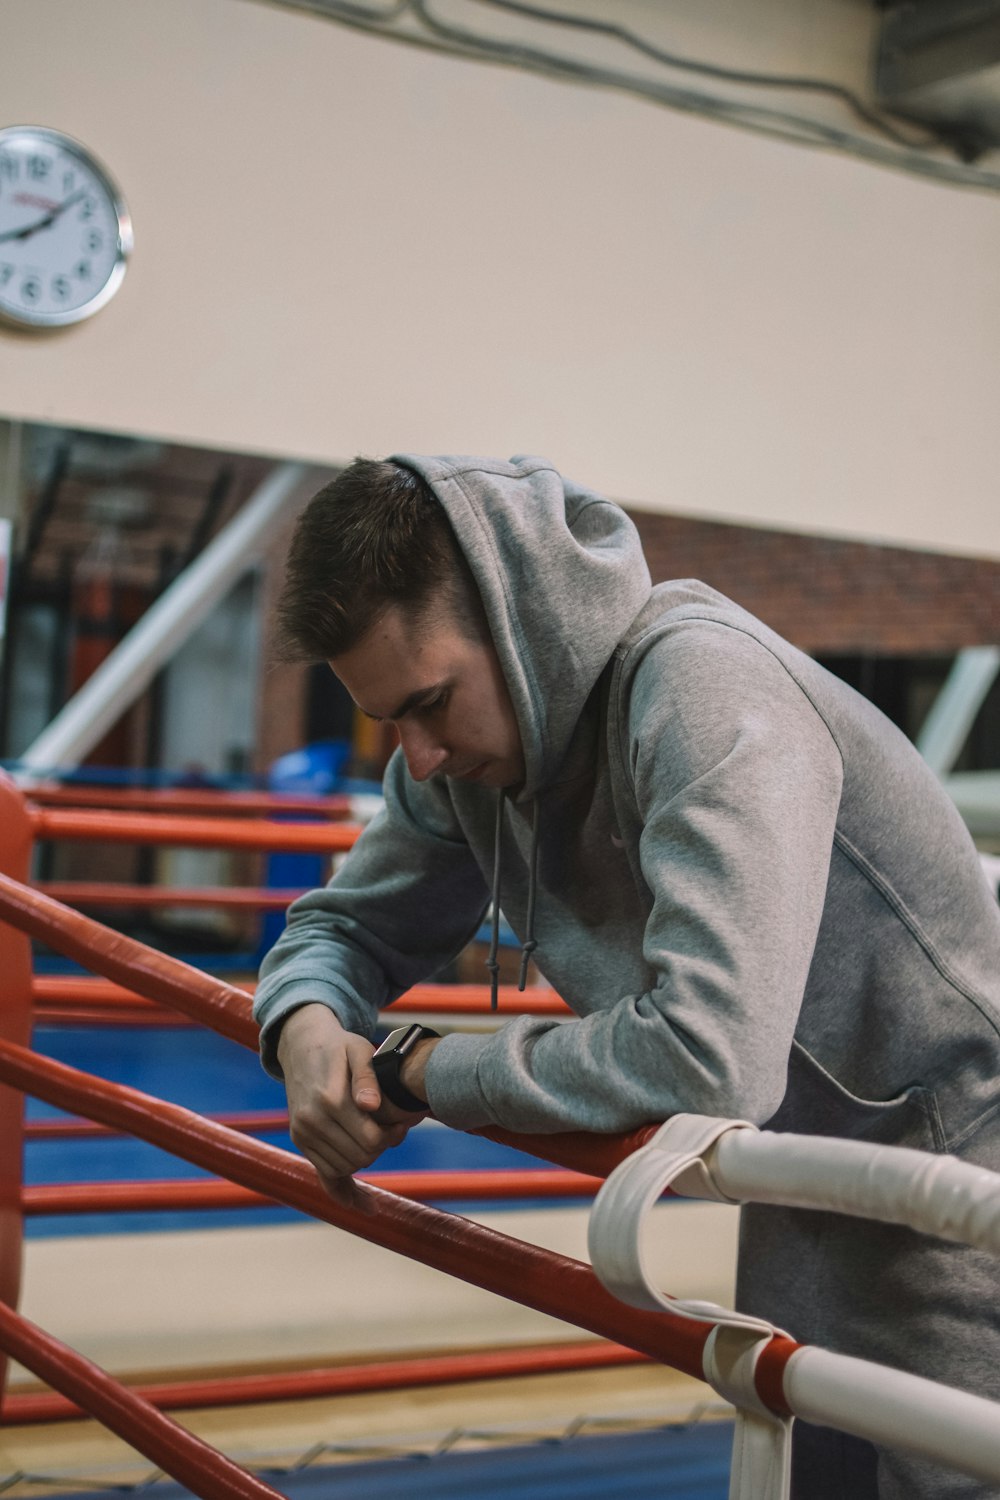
89	209
68	180
82	269
94	239
61	288
6	272
38	167
31	289
10	166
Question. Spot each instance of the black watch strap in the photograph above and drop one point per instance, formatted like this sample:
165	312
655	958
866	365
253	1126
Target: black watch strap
387	1063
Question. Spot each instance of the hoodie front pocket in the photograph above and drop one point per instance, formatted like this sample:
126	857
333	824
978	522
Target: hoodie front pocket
816	1103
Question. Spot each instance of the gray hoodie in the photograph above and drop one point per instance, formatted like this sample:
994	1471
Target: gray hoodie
750	889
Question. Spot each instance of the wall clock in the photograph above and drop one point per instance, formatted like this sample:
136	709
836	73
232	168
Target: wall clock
65	233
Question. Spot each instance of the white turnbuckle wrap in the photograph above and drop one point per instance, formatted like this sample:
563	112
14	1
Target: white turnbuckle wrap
675	1156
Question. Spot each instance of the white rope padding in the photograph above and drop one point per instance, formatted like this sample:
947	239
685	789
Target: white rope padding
904	1411
761	1462
938	1195
731	1162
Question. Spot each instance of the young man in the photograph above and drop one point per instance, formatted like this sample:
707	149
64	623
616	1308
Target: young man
740	876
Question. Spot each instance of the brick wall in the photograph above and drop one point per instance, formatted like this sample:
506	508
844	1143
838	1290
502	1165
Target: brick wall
830	596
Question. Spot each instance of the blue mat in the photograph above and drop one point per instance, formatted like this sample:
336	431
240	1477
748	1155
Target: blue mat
667	1463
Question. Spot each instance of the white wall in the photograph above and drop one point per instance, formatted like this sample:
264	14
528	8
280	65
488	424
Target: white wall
347	245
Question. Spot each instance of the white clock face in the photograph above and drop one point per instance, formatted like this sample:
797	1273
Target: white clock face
64	230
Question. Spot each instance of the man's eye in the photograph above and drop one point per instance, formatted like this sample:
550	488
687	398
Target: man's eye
435	703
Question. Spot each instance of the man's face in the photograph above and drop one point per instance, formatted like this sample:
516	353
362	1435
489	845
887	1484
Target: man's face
444	692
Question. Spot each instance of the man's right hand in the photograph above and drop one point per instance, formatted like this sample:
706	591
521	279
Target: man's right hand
332	1095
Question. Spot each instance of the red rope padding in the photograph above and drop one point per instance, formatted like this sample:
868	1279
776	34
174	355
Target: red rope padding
177	1452
211	1001
134	967
69	990
537	1278
502	1265
226	1009
430	1186
190	832
189	800
344	1380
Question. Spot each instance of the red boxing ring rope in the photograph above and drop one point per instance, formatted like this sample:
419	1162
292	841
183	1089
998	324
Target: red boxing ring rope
190	800
178	1452
350	1379
71	999
424	1186
549	1283
818	1384
190	832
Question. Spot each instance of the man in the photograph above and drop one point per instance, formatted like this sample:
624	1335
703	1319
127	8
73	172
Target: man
740	876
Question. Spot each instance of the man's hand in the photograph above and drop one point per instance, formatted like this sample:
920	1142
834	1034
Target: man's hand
337	1116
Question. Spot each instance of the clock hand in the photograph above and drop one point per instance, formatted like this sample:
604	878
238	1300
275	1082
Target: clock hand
27	230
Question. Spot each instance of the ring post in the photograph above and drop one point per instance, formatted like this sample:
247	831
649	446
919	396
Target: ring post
15	1026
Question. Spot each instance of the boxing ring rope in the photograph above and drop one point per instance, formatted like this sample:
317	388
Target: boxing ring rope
153	1434
346	1380
198	800
72	1001
767	1374
189	831
549	1283
864	1398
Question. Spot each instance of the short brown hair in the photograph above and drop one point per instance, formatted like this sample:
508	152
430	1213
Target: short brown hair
374	537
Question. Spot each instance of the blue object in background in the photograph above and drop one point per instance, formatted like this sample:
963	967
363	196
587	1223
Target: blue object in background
313	770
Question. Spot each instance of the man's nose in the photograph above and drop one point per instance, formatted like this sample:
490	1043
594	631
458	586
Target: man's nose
423	754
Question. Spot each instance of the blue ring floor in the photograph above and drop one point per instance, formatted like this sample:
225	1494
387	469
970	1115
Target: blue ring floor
665	1463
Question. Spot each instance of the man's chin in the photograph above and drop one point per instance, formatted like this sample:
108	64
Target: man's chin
494	774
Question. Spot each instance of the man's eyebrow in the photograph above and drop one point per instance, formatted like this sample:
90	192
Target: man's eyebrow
414	700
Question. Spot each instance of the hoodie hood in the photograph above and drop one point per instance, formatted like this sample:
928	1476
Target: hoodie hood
561	574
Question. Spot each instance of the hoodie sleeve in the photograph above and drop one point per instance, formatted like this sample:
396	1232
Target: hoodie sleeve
406	900
737	783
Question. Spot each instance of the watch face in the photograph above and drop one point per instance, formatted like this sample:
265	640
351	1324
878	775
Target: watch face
393	1040
64	230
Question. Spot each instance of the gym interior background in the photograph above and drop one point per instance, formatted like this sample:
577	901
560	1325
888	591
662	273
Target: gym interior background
737	265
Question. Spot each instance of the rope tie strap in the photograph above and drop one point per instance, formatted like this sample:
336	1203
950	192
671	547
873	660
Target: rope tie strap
676	1156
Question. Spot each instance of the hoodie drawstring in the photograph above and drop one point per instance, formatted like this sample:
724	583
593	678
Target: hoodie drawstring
493	962
529	945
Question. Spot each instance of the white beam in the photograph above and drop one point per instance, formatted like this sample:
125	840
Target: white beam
976	794
954	710
165	626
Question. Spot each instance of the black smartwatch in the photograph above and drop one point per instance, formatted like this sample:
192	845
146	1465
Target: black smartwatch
388	1061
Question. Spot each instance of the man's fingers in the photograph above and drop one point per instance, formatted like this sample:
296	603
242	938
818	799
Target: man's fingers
364	1085
335	1105
340	1188
335	1149
342	1146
